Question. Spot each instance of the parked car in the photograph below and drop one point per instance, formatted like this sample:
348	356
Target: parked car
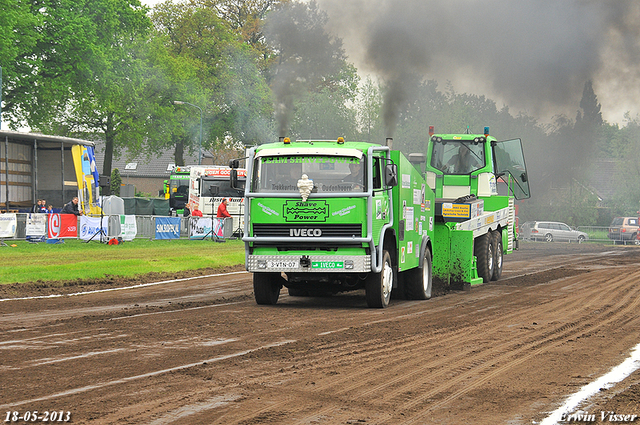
624	229
550	231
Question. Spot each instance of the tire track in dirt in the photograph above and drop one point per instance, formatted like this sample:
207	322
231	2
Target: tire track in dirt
471	362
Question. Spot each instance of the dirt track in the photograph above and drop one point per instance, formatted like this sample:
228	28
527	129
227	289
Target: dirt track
201	351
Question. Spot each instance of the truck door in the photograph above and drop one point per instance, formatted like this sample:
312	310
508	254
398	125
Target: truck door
509	163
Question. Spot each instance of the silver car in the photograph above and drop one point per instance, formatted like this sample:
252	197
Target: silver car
550	231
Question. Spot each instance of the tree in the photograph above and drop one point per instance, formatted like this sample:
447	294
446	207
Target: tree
308	57
197	58
82	75
591	114
18	38
116	182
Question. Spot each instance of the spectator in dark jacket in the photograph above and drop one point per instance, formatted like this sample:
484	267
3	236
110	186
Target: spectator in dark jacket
72	207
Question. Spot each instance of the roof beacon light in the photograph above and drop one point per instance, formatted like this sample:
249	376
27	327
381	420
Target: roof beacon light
486	132
432	130
341	140
286	141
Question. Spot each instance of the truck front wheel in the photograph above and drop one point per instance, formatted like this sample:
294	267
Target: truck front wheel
483	248
266	288
418	286
378	285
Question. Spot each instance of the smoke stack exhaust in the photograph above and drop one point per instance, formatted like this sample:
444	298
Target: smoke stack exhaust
389	142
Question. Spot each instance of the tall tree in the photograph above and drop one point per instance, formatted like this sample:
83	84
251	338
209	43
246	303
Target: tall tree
591	114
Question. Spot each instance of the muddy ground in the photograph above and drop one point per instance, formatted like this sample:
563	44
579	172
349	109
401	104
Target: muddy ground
200	351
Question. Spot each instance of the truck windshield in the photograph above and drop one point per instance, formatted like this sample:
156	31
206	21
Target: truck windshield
457	157
220	187
330	174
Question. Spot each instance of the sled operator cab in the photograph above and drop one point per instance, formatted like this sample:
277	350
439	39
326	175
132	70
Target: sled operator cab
475	165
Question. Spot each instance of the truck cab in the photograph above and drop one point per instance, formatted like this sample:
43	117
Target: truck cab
325	216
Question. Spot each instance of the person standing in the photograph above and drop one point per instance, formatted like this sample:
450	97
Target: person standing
71	207
222	209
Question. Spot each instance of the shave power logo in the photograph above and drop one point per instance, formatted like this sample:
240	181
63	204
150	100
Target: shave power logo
298	211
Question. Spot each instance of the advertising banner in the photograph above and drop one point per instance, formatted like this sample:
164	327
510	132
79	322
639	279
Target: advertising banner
62	226
128	227
8	225
86	175
90	228
36	225
167	227
200	227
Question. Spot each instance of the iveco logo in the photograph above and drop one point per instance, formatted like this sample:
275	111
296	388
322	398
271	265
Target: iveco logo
305	232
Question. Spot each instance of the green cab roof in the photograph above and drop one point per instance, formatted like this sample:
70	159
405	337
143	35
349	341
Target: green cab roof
307	146
464	136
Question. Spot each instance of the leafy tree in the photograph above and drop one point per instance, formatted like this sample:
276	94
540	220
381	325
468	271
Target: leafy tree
198	59
83	76
18	38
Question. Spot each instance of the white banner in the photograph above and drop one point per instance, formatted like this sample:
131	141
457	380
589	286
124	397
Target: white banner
200	227
36	225
90	228
128	227
8	225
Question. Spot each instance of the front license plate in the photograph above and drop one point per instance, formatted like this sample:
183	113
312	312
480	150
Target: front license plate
277	264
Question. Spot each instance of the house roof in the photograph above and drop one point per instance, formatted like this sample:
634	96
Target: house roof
146	166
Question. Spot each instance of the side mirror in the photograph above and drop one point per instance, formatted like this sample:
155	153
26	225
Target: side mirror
234	163
391	175
234	177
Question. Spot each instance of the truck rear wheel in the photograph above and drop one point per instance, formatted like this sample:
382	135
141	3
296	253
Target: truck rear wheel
498	255
483	249
418	286
266	288
378	285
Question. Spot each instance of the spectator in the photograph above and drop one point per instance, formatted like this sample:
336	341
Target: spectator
196	212
50	209
43	206
71	207
222	209
36	206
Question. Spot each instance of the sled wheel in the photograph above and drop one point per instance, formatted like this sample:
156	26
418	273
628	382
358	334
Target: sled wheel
418	286
498	255
483	249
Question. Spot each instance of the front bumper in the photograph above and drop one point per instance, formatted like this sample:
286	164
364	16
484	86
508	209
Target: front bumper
309	264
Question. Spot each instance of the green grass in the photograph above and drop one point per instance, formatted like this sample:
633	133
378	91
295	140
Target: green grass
26	262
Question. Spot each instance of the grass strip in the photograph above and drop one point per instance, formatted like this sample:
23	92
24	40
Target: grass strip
26	262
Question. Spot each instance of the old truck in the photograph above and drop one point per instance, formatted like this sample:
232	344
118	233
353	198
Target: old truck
330	216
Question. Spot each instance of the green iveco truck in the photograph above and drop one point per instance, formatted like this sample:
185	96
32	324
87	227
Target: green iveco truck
330	216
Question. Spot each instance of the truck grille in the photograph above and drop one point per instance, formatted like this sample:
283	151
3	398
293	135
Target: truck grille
328	230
